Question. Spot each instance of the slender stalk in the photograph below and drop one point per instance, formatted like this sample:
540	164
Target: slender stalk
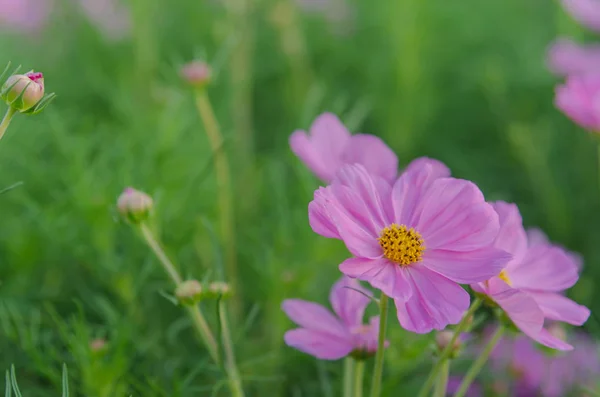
359	374
598	146
378	370
442	381
227	221
195	314
479	363
445	354
10	112
348	376
232	370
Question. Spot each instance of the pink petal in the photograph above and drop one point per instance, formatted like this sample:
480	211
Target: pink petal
436	302
411	186
313	316
547	339
348	303
372	192
382	274
560	308
511	237
373	154
545	268
578	99
519	306
319	215
586	12
467	267
321	151
566	57
455	217
321	345
536	236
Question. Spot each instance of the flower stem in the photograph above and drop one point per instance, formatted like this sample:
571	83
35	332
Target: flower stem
227	221
445	354
378	370
348	376
195	314
10	112
359	374
442	381
230	364
479	363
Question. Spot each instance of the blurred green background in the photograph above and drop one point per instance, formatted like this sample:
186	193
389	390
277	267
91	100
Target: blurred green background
463	81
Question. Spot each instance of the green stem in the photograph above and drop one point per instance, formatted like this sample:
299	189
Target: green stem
442	381
479	363
445	354
195	314
598	146
378	370
232	370
10	112
348	376
225	199
359	375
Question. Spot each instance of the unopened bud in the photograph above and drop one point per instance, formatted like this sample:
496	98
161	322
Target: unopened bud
98	345
196	73
443	339
189	292
23	91
219	289
134	205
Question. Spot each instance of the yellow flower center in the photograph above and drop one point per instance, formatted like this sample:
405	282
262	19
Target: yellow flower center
401	245
504	277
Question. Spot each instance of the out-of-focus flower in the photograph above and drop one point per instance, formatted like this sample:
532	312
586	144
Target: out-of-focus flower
536	236
416	241
338	13
189	292
134	205
454	382
24	15
329	145
586	12
196	73
23	91
529	289
579	99
219	289
566	57
443	338
331	337
109	16
98	345
532	372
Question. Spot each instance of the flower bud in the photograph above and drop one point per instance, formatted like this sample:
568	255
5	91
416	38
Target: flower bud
23	91
189	292
219	289
196	73
134	205
443	338
98	345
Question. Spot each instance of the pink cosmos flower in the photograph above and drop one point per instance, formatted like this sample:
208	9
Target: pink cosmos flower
566	57
530	288
578	98
415	240
329	145
24	15
109	16
331	337
586	12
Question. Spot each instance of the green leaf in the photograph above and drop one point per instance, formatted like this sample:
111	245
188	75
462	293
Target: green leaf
13	381
65	381
8	391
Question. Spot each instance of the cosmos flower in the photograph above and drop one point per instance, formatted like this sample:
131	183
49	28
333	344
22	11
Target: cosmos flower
530	288
330	337
329	145
586	12
578	99
566	57
24	15
415	240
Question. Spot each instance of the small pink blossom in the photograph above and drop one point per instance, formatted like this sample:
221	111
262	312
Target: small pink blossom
586	12
329	145
330	337
109	16
579	99
415	240
530	288
24	15
566	57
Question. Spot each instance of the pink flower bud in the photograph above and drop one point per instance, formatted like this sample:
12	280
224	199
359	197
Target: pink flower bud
218	289
189	292
23	91
98	345
134	205
196	73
